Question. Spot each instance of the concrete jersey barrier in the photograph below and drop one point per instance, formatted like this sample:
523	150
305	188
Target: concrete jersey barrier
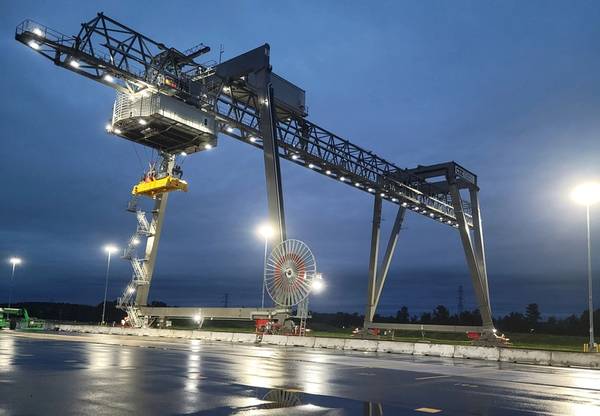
502	354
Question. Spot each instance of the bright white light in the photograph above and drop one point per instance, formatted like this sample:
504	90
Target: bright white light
265	231
394	200
130	290
311	166
108	78
37	31
208	146
432	215
371	190
183	154
342	179
328	172
382	195
266	102
15	261
197	318
295	157
226	89
229	129
74	64
142	122
404	204
33	44
318	285
449	222
586	193
108	127
253	139
118	131
357	184
110	249
135	241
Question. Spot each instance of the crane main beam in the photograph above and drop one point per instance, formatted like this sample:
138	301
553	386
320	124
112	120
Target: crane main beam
117	56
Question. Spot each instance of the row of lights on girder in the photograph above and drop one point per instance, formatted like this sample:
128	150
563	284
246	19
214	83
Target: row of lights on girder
296	158
226	89
73	63
415	208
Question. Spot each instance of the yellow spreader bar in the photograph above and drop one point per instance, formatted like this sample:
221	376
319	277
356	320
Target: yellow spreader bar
159	186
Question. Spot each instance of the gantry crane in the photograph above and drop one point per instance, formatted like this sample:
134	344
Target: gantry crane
169	102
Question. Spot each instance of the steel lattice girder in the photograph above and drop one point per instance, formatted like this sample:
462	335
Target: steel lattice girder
106	47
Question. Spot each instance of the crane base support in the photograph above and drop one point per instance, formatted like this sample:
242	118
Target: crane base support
214	313
432	328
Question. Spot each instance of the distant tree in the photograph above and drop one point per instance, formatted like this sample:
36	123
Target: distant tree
426	318
402	316
532	314
441	315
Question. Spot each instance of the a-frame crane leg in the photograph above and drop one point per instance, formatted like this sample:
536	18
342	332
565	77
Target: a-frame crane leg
378	275
474	252
268	130
158	216
373	259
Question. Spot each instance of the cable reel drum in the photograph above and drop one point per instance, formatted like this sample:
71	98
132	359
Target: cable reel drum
290	271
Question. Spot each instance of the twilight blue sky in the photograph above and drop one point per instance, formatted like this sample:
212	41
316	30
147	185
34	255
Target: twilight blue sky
508	89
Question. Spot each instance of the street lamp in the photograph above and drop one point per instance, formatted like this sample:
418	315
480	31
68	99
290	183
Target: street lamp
109	249
588	194
14	261
266	232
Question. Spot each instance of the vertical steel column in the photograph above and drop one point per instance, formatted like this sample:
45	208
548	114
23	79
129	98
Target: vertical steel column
158	216
478	237
373	258
472	261
268	130
389	254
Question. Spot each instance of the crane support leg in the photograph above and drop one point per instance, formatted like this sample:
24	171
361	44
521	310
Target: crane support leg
478	239
268	129
158	216
378	275
373	257
473	252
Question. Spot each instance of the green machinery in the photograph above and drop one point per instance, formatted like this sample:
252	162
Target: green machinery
13	318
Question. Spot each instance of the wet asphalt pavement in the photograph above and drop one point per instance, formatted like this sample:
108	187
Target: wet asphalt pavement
43	374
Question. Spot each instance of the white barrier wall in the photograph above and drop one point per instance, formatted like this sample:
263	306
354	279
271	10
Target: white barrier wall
503	354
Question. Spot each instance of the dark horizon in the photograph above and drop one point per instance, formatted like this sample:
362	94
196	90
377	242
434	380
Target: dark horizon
514	97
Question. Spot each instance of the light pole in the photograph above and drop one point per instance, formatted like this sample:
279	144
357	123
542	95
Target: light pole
109	249
266	232
588	194
14	261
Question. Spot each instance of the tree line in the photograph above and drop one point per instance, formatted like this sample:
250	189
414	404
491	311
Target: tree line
530	320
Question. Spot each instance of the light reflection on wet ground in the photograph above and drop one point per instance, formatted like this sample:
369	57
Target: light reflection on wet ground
111	375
